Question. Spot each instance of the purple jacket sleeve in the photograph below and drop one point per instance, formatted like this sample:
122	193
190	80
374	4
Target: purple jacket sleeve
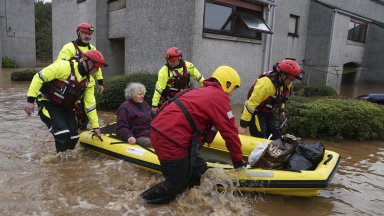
122	126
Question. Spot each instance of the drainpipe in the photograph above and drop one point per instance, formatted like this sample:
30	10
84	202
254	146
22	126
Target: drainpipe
330	45
269	38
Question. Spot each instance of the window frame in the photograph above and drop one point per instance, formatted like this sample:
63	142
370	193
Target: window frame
354	37
243	7
297	20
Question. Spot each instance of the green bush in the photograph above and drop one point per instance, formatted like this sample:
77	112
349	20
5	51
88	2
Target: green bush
8	63
297	89
318	90
25	75
113	95
335	119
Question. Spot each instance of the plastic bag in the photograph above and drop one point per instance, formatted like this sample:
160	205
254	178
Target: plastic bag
256	154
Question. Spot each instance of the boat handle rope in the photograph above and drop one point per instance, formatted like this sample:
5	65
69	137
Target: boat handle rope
122	142
330	156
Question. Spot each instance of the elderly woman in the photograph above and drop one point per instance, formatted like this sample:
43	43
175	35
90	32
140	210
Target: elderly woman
134	116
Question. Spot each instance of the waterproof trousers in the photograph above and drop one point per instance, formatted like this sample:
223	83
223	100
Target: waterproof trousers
178	177
62	124
263	124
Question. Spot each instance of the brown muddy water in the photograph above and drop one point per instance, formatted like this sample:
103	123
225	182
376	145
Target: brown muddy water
35	181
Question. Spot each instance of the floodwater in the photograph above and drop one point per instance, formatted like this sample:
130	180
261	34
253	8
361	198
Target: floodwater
36	181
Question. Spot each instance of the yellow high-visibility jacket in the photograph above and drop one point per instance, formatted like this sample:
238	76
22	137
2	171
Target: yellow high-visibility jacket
60	70
263	90
165	74
69	51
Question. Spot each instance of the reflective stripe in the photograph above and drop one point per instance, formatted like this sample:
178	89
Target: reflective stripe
257	122
173	89
89	109
41	75
50	129
59	95
75	137
249	109
199	78
61	132
158	90
66	81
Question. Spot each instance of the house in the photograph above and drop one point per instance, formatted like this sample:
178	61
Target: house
325	37
17	30
345	42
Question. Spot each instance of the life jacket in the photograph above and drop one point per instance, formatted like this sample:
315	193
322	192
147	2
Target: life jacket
79	53
177	83
271	103
64	92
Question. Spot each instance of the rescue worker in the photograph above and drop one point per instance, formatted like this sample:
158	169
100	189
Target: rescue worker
73	51
180	127
267	96
173	77
56	88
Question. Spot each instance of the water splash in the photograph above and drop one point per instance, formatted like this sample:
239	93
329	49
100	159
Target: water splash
84	204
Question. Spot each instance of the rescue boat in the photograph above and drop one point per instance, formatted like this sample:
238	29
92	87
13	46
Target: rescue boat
281	182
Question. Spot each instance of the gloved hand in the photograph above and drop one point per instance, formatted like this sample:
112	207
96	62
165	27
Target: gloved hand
97	133
100	89
241	130
240	165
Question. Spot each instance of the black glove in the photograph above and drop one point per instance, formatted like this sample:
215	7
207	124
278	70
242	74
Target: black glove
239	164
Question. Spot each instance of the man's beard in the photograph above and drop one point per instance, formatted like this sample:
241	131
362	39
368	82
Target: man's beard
86	40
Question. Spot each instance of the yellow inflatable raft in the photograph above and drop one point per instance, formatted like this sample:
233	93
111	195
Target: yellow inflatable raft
302	183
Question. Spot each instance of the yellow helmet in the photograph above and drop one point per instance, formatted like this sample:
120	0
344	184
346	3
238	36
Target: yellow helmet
228	78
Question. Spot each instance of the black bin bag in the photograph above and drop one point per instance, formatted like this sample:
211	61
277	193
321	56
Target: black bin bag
307	157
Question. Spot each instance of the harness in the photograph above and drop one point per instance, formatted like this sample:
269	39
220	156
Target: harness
271	103
176	83
79	53
193	148
64	92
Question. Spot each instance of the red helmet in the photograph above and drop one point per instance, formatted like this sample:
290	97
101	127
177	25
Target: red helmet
86	28
96	57
172	54
289	67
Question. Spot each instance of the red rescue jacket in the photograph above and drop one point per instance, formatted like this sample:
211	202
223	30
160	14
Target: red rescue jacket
208	106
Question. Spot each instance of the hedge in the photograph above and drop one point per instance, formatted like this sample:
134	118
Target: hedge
318	90
334	118
8	62
25	75
113	95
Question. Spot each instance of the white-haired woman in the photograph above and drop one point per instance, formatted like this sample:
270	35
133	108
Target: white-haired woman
134	116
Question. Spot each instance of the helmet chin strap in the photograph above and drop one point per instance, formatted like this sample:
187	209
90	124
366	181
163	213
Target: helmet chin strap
88	70
283	80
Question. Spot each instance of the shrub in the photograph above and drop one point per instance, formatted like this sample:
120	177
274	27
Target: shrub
25	75
318	90
8	63
335	119
113	95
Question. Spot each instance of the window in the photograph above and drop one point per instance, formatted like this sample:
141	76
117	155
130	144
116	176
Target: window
357	30
116	5
293	26
235	18
79	1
